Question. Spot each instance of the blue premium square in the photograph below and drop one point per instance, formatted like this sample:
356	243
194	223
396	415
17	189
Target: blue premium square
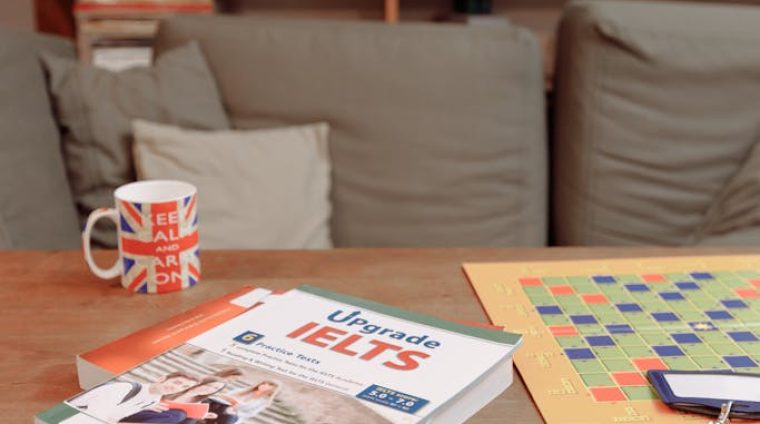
249	337
603	279
682	338
628	307
579	353
740	361
671	296
687	285
665	316
742	336
637	287
619	328
734	303
600	341
668	350
718	315
702	276
583	319
549	310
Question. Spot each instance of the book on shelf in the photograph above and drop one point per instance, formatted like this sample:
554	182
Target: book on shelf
305	355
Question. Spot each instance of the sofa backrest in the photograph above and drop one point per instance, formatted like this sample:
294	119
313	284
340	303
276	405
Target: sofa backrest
437	131
657	109
36	207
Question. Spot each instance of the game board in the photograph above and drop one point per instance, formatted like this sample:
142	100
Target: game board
593	328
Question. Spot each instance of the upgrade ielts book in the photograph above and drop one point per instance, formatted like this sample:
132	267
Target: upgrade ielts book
311	355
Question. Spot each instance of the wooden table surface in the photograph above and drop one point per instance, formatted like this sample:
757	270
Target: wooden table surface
53	308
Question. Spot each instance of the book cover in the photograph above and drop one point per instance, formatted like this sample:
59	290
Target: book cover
308	356
105	362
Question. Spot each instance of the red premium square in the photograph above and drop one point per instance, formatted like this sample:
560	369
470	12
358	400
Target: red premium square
755	282
629	379
748	293
646	364
595	298
607	394
563	330
530	281
561	290
653	278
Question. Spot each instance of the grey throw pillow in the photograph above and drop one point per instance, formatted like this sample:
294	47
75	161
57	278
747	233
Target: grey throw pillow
96	108
36	208
734	215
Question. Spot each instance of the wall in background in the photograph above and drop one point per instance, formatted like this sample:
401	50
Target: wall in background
17	14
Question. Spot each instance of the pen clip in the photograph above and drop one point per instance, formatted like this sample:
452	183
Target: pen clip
725	412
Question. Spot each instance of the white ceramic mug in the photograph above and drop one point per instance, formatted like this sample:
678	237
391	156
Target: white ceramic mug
157	225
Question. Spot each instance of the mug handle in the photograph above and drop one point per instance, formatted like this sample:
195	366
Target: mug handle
115	270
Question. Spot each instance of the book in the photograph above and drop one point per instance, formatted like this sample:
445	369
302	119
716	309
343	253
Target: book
311	355
99	365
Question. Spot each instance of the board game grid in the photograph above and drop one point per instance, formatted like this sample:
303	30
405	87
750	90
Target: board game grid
613	328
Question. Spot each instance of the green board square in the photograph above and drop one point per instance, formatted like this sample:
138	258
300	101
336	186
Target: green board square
542	300
618	297
638	317
639	393
714	337
597	380
628	278
695	294
571	341
568	301
706	304
748	274
656	339
691	316
603	309
608	352
753	348
586	289
675	327
679	363
637	351
575	309
615	364
710	363
746	315
645	327
553	281
555	319
587	366
723	274
677	276
734	283
532	291
720	292
627	339
697	349
727	349
591	329
682	306
579	280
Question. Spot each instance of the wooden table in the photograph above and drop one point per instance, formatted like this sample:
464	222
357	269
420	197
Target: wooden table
53	308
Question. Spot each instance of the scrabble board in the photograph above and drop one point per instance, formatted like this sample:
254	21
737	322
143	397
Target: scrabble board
593	328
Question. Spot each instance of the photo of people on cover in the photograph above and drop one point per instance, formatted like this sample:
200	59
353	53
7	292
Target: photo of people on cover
189	385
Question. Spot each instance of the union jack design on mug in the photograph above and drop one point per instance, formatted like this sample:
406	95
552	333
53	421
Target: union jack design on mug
159	244
158	237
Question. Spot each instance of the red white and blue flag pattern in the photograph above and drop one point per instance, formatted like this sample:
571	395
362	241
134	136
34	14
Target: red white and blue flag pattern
159	245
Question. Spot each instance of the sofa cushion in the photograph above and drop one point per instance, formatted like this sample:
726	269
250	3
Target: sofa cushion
96	108
36	208
257	189
437	131
656	110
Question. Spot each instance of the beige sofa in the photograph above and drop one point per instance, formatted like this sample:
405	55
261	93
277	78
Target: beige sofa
439	131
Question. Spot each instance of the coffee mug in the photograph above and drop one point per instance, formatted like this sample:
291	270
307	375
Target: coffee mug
157	225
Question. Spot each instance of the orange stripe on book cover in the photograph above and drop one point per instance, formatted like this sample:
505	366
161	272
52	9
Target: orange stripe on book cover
132	350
